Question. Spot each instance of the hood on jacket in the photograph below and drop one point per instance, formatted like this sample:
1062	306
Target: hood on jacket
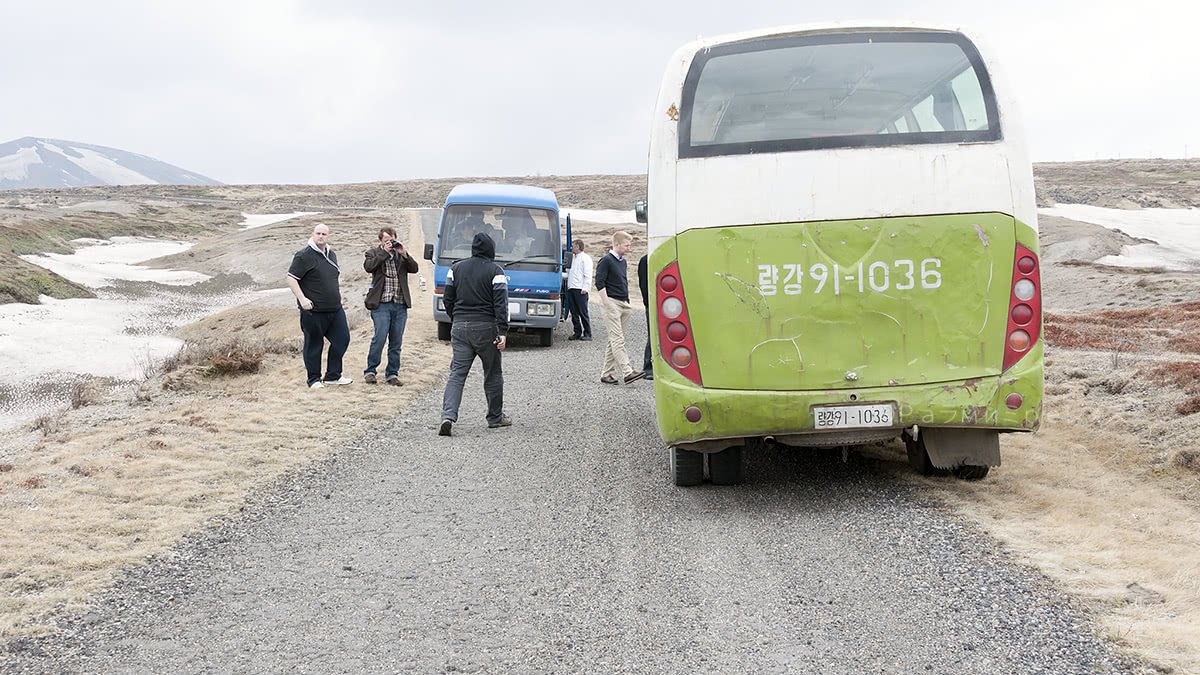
482	246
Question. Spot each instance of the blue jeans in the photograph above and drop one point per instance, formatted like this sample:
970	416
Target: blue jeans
389	319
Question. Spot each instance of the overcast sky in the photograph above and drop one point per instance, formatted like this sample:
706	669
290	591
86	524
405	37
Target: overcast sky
334	91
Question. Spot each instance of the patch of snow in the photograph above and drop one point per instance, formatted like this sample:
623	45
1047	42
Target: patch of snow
253	220
16	166
104	168
1175	233
98	263
81	336
604	216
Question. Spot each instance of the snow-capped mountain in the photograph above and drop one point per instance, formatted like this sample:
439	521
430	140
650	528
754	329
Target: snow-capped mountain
48	163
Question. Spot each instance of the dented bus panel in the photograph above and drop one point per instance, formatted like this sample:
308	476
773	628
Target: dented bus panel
843	247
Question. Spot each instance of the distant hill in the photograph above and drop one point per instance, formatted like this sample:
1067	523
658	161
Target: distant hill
49	163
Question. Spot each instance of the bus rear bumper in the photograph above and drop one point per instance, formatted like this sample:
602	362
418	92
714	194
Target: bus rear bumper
737	415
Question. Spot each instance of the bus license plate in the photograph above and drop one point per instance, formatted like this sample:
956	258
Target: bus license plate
855	416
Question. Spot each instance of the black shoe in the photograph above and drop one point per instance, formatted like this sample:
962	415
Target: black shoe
369	378
575	337
586	338
444	430
648	374
608	379
634	376
504	421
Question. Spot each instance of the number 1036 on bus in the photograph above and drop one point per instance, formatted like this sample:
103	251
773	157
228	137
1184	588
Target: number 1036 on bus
877	277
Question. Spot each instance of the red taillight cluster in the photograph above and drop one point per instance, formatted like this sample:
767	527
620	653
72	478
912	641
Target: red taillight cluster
1024	307
675	341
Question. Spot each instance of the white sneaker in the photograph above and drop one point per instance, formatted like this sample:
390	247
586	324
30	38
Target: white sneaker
317	385
344	380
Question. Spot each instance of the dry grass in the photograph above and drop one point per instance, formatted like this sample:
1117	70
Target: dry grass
1078	500
85	391
122	482
238	354
1176	327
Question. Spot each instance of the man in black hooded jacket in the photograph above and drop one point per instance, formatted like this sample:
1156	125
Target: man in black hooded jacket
476	300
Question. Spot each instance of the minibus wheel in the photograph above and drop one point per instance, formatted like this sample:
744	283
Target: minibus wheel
443	330
687	467
545	337
725	467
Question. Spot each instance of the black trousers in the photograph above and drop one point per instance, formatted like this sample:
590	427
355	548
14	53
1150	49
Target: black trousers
580	319
317	328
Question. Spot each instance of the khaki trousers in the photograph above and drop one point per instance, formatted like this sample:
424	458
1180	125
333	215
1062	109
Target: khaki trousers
616	318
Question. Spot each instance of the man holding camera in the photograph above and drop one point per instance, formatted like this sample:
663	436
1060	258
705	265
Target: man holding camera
388	298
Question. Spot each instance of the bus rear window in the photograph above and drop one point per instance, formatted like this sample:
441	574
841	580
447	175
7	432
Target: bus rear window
836	90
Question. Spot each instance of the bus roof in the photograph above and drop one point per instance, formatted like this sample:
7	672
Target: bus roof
502	195
825	27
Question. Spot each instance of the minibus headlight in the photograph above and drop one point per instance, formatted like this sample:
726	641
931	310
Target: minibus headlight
672	308
1023	289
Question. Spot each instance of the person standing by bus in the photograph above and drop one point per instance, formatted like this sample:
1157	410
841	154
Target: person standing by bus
612	282
644	285
388	299
476	299
579	280
313	279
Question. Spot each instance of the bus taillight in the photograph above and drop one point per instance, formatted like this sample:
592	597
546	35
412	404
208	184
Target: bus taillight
675	341
1024	307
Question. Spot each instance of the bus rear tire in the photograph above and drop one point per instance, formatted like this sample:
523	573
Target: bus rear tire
443	331
971	472
725	467
687	467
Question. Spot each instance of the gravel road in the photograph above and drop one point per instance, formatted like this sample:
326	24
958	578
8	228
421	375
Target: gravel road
560	545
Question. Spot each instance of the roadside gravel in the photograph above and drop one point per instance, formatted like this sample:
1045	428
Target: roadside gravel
559	545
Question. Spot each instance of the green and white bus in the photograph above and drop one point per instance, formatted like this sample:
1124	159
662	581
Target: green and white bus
843	249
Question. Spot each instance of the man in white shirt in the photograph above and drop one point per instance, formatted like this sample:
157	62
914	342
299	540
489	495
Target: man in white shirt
579	280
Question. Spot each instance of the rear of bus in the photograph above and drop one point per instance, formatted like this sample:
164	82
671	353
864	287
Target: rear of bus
843	247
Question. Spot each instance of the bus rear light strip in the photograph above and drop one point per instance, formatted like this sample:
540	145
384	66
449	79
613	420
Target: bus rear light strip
675	340
1024	307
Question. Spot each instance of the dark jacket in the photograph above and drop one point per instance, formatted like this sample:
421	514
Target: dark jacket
476	288
374	261
318	273
612	277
